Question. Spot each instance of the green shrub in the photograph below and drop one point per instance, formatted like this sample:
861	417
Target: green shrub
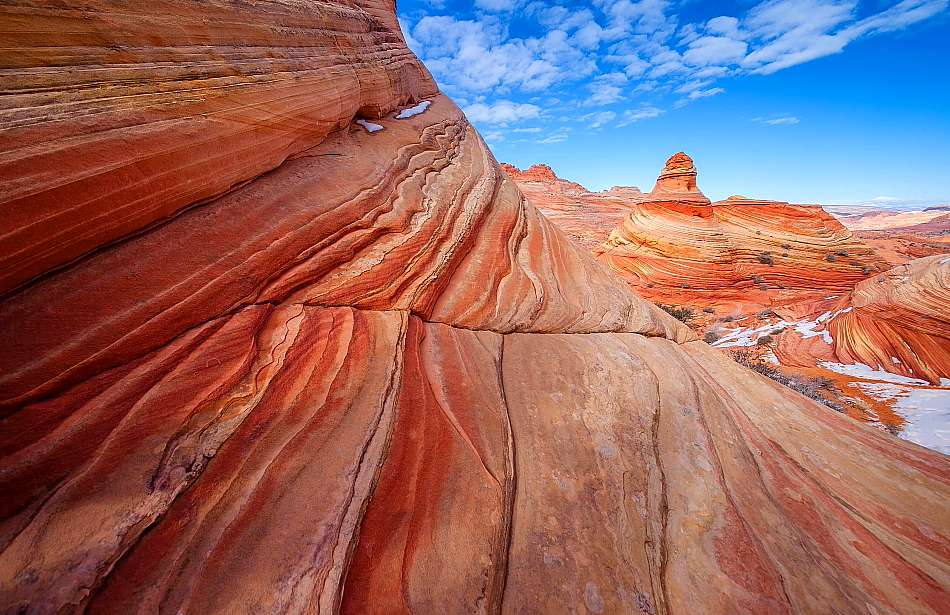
682	314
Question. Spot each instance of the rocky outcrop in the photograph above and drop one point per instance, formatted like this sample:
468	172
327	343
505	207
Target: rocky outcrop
899	321
678	247
373	379
677	181
587	217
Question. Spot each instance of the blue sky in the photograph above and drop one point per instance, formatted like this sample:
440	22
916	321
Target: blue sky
809	101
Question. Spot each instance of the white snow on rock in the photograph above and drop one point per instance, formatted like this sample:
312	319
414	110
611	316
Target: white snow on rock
369	126
860	370
413	110
927	416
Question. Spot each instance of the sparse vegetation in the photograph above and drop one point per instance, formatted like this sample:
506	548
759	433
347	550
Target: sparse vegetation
765	313
766	259
784	254
830	257
709	310
764	340
866	269
682	314
780	285
757	278
763	287
684	285
855	264
842	253
649	284
711	336
787	246
822	390
891	427
726	318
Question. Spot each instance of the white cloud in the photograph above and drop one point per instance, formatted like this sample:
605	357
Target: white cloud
497	5
597	119
645	111
885	199
501	111
783	120
618	49
526	130
555	138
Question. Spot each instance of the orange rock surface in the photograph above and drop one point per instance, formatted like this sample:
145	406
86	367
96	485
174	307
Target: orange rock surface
587	217
900	321
371	378
676	246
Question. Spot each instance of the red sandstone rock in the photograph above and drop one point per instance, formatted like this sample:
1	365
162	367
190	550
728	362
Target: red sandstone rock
677	247
373	379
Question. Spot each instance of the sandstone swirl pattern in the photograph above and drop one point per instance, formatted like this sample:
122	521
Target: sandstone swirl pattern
368	377
899	321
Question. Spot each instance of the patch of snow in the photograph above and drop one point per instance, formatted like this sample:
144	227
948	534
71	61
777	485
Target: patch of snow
895	360
882	391
905	278
945	260
831	297
369	126
927	416
860	370
413	110
807	328
746	337
945	382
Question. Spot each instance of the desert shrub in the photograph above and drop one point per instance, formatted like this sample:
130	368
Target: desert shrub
855	264
764	340
766	259
780	285
866	269
842	253
765	313
711	336
891	427
757	278
763	287
649	284
784	254
882	278
830	257
822	390
682	314
786	245
776	331
758	232
684	285
709	310
726	318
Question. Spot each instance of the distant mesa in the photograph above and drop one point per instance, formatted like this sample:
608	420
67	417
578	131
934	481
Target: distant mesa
737	197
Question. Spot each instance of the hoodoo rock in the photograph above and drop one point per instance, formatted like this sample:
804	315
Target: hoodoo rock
275	361
677	181
677	246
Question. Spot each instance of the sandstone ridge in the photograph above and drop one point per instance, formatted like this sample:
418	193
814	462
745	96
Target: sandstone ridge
358	372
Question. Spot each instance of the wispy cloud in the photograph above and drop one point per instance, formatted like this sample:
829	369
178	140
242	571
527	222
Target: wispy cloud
645	111
606	53
501	112
785	119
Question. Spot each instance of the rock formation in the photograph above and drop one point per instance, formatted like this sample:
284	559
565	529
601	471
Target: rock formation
898	321
275	361
677	181
677	246
587	217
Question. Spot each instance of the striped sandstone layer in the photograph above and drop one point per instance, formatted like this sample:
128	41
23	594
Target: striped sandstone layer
678	247
373	379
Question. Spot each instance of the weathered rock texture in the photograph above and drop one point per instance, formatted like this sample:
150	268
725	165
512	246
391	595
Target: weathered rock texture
898	321
371	378
677	246
587	217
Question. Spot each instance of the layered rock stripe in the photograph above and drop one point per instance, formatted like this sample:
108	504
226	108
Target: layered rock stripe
371	378
733	251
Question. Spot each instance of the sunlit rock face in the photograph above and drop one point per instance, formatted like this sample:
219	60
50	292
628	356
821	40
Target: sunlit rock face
677	246
900	321
586	217
358	372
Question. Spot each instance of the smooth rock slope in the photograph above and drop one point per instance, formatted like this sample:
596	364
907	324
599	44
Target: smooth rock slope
302	367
